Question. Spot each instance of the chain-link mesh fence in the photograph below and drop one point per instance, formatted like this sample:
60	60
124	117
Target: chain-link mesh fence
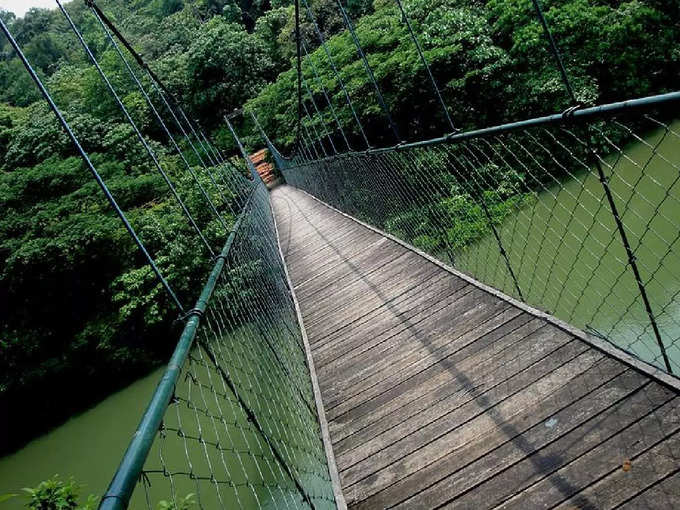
526	210
241	428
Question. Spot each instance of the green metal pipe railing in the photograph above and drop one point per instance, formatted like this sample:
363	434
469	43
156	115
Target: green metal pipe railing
569	116
119	492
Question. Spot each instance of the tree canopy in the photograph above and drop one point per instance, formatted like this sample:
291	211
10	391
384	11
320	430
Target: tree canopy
79	301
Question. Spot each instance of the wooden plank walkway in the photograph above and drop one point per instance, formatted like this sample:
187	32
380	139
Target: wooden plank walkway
439	394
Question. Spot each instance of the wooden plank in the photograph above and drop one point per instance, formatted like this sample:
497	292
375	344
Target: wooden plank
330	267
466	377
440	393
659	496
397	411
304	262
573	483
601	381
354	344
542	449
416	450
379	318
422	347
397	272
350	273
348	304
358	291
408	411
411	364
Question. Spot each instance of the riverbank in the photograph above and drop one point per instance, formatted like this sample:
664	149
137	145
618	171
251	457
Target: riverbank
88	447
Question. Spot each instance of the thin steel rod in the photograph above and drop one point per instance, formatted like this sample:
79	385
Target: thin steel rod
328	133
298	69
163	126
102	185
557	119
162	91
427	66
249	162
322	39
325	93
604	180
555	51
369	71
119	492
159	90
633	265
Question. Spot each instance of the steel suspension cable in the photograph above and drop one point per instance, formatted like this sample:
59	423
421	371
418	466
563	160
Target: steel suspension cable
179	124
275	152
242	149
326	131
212	162
298	69
163	126
95	174
426	65
325	93
118	101
129	118
331	61
555	52
219	157
604	180
369	70
163	91
316	132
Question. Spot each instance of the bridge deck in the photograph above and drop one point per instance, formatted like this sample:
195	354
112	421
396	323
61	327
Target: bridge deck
439	394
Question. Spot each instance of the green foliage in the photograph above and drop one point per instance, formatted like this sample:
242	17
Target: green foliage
81	303
168	7
225	67
268	29
184	503
55	494
483	55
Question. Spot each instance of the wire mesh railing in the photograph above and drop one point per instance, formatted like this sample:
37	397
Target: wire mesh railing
233	423
525	208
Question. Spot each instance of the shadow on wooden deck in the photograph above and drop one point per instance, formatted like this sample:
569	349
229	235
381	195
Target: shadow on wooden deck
441	394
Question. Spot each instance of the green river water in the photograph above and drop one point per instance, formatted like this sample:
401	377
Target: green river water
597	293
87	447
569	259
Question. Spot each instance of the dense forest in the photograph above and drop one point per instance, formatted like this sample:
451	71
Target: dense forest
80	312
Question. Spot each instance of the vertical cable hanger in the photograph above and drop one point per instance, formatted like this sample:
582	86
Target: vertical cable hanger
155	82
298	68
168	100
325	93
163	126
369	71
327	131
95	174
559	63
242	149
419	49
604	180
322	39
316	132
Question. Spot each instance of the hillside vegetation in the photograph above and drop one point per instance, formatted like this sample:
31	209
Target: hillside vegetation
81	313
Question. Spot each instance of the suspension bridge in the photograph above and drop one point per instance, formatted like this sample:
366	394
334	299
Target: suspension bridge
356	346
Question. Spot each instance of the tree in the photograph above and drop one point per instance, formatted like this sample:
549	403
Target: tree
268	30
225	67
168	7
